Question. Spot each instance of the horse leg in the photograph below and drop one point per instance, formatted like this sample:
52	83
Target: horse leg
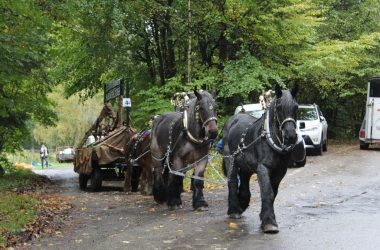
276	178
244	194
174	186
142	180
199	202
267	216
136	173
159	189
234	208
127	179
146	178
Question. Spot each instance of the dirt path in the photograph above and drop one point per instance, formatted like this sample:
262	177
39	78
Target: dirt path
331	203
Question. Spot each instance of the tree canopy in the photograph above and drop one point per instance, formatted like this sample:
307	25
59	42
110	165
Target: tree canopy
24	60
240	48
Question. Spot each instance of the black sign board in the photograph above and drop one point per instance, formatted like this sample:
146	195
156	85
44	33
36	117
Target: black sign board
113	89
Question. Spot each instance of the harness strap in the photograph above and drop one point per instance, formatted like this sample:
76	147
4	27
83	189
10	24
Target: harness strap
188	133
289	119
213	118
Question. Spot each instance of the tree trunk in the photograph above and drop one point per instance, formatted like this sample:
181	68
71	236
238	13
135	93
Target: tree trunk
159	53
223	43
149	63
170	56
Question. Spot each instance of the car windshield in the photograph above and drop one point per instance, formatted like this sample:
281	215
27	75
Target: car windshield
307	114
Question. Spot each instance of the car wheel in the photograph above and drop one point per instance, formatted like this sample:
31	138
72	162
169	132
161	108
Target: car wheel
83	179
96	180
300	164
319	149
325	145
364	145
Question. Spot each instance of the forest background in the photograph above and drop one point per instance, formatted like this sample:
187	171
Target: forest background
51	50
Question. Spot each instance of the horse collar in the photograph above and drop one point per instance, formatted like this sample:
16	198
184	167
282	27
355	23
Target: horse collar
188	133
282	149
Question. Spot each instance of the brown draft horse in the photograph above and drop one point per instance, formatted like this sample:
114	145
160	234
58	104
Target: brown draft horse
182	138
139	165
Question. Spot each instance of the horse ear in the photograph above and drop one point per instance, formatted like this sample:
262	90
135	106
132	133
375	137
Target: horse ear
278	91
294	90
197	94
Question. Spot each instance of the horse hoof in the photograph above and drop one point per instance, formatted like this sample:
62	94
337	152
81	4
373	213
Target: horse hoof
175	207
201	209
270	229
235	216
171	208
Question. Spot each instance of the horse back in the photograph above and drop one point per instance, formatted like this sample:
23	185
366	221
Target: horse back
163	126
236	126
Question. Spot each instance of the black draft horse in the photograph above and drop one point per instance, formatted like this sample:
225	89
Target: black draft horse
183	138
262	146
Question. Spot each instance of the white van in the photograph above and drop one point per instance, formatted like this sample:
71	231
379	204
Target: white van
370	129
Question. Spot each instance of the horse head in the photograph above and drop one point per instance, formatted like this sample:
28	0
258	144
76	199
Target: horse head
285	111
206	108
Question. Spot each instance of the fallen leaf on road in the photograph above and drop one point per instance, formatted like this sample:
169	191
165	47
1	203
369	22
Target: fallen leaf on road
110	207
233	225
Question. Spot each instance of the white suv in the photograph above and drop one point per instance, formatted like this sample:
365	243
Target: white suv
313	127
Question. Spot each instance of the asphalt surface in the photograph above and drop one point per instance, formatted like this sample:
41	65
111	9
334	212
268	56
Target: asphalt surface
331	203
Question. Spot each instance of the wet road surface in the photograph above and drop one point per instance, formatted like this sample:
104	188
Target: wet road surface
331	203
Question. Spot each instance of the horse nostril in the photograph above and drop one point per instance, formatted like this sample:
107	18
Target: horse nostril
212	134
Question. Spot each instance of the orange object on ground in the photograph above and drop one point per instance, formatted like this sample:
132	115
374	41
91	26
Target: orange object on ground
24	165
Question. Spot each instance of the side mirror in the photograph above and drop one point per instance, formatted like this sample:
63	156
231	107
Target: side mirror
302	125
322	118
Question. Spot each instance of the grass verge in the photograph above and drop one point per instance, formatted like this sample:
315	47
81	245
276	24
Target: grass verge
16	179
16	211
26	209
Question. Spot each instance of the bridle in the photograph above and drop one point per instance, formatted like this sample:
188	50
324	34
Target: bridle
204	123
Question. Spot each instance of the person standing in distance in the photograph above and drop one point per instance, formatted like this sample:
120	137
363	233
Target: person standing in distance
44	153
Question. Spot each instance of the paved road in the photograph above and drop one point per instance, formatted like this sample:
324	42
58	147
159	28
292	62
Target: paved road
331	203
